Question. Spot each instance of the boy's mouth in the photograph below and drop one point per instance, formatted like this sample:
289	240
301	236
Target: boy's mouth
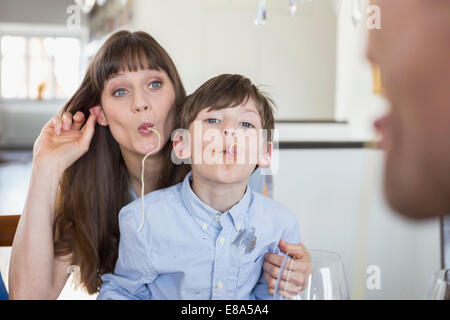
230	151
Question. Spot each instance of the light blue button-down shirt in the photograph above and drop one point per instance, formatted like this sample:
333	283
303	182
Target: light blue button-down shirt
188	250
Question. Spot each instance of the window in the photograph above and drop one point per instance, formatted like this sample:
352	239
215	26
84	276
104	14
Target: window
39	67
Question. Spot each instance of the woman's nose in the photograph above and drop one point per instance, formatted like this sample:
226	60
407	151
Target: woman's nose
140	101
142	108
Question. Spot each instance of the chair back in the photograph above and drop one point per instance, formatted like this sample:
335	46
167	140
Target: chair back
8	226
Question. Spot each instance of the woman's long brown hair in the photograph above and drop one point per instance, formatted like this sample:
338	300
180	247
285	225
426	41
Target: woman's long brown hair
94	189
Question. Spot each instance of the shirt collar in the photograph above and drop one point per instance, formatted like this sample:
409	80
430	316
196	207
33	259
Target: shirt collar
204	214
239	211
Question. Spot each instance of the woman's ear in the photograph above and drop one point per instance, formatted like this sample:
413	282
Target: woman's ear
266	156
181	144
99	115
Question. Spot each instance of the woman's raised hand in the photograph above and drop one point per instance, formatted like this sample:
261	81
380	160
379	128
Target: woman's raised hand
299	274
63	140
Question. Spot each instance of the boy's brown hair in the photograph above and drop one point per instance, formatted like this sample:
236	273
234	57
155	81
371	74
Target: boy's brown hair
228	91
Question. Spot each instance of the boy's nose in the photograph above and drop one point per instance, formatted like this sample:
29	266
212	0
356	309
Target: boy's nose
229	132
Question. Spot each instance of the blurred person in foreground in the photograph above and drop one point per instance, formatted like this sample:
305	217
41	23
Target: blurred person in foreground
412	50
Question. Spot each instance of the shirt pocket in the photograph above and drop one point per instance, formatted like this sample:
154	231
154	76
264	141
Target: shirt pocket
250	272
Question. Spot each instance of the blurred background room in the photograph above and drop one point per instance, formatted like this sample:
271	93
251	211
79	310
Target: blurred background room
308	55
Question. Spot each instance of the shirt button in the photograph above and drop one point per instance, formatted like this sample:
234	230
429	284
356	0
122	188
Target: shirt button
222	240
204	226
217	217
219	285
238	226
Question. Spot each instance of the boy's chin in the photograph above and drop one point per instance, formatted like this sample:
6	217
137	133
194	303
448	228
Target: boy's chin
228	173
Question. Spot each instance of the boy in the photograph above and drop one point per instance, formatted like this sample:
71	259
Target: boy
206	237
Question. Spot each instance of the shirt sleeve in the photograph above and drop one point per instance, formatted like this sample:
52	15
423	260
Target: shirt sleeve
133	271
291	235
260	291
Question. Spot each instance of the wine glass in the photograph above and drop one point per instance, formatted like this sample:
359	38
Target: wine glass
311	275
439	286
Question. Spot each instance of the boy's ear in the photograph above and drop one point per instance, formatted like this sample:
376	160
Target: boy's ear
181	145
265	157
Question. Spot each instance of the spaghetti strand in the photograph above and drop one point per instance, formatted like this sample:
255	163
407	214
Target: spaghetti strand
142	177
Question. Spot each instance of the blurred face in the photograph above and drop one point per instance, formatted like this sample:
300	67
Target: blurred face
412	50
225	144
133	103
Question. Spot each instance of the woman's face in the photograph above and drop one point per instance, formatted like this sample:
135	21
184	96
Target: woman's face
133	102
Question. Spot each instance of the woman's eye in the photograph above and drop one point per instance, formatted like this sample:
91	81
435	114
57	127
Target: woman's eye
120	92
155	84
212	120
247	124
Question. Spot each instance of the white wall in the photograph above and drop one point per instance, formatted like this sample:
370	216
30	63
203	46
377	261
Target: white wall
314	64
337	197
293	57
31	11
355	100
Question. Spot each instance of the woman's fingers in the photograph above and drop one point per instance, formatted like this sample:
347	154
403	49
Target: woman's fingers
78	120
72	122
57	125
298	264
294	271
286	289
296	250
271	269
274	259
289	288
67	120
87	132
294	276
271	283
62	123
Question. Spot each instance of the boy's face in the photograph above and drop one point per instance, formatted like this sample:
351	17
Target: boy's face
227	144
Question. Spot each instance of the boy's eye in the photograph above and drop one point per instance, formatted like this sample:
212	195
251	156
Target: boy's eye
212	120
247	124
155	84
119	92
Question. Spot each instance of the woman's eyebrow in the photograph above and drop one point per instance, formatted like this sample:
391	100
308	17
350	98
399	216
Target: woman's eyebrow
124	74
115	75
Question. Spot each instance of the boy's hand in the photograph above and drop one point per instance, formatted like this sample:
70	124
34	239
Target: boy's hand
298	276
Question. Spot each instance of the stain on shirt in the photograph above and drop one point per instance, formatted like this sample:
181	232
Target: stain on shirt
247	239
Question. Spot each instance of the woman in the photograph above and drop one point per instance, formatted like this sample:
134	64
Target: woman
83	174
